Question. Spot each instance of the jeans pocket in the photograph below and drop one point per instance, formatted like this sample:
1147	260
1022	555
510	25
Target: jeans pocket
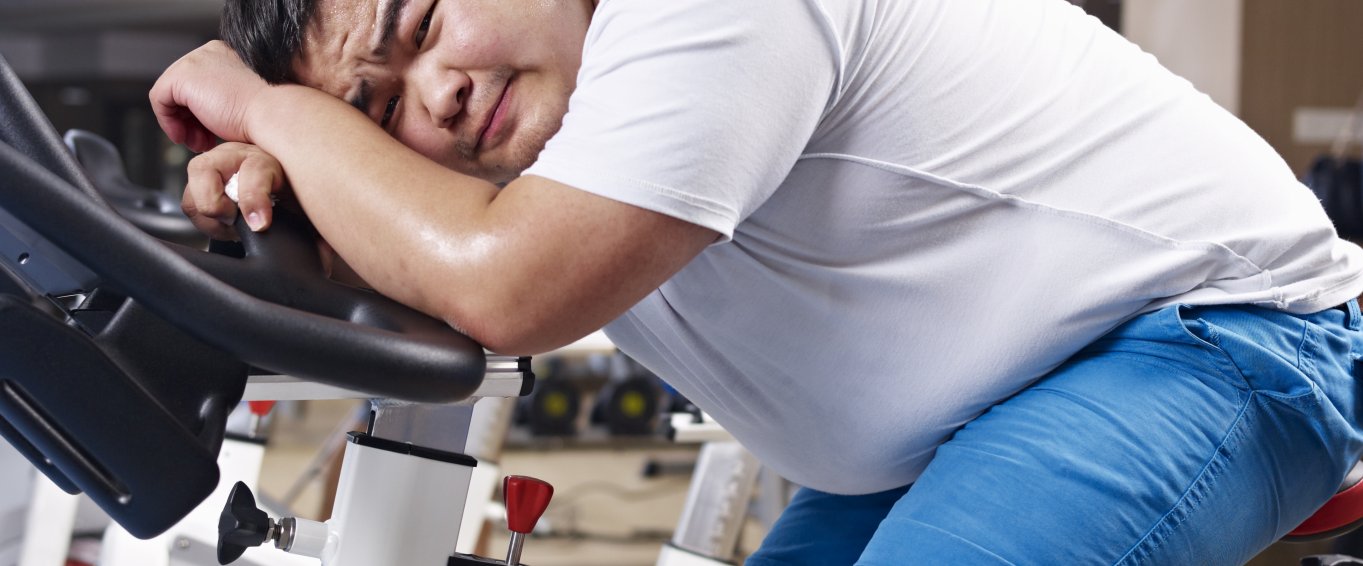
1206	336
1199	330
1272	353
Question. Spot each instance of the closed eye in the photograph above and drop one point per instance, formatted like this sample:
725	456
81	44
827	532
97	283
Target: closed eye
388	111
425	26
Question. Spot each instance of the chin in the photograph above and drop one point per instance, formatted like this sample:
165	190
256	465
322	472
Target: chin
498	174
492	172
523	153
501	179
515	156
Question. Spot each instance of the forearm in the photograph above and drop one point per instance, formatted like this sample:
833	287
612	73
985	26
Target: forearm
522	270
416	231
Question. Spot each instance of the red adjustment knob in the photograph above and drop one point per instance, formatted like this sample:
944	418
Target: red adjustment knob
526	498
261	408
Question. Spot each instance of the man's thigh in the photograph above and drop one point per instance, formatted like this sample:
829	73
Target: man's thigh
822	529
1194	437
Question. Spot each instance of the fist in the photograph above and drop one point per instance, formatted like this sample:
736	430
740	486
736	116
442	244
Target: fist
206	95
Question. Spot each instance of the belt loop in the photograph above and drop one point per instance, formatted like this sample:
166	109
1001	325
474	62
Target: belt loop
1353	320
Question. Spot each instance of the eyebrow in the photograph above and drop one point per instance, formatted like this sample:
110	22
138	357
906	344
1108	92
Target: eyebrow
389	27
388	30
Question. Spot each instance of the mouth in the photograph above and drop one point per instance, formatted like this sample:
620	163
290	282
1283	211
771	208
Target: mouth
496	119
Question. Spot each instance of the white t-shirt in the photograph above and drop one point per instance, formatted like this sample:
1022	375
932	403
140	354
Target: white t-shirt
926	204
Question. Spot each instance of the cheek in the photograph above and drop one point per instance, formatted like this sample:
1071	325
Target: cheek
477	39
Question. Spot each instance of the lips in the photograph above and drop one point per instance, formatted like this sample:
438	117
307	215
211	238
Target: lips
496	118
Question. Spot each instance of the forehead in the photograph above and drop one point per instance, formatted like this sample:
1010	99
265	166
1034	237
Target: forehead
339	43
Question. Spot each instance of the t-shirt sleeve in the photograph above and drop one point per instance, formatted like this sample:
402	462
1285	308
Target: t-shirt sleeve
697	110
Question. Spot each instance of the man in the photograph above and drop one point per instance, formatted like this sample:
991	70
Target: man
990	282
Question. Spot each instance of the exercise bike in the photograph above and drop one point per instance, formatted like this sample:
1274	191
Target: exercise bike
121	356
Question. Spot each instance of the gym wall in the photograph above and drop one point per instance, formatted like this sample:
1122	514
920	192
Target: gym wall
1292	69
1303	72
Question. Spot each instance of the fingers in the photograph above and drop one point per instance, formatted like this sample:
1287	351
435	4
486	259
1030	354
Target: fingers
199	139
204	201
174	115
166	110
258	178
214	229
202	96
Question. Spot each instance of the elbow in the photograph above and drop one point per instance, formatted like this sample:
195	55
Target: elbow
502	341
503	329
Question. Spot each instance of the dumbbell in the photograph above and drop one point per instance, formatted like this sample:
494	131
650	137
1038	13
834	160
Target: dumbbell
629	407
552	409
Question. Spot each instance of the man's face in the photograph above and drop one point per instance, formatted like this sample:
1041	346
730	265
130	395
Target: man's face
476	85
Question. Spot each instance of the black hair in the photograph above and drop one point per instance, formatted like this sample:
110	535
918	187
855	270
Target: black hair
267	34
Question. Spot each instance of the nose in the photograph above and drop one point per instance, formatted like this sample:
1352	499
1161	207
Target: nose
442	92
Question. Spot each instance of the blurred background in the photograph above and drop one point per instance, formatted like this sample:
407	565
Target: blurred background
1291	69
90	63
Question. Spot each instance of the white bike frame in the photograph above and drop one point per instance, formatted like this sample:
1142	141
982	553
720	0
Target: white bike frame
403	495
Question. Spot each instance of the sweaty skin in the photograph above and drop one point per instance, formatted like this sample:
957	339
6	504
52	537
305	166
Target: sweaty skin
523	269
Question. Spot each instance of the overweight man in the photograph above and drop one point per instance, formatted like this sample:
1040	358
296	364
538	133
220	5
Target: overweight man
983	277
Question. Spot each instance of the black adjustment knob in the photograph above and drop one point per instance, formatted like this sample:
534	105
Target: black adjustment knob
242	525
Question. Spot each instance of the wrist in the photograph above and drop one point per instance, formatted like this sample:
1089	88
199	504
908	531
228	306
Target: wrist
258	113
266	110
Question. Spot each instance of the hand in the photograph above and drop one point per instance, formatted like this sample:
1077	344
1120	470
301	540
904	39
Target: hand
259	177
205	95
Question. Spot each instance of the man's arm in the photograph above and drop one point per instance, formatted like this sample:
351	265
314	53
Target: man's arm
521	270
525	269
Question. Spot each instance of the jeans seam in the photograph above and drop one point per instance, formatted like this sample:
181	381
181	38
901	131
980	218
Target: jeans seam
1001	560
1306	352
1192	495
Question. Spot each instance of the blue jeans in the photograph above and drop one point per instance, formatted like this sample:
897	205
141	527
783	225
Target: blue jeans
1190	435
